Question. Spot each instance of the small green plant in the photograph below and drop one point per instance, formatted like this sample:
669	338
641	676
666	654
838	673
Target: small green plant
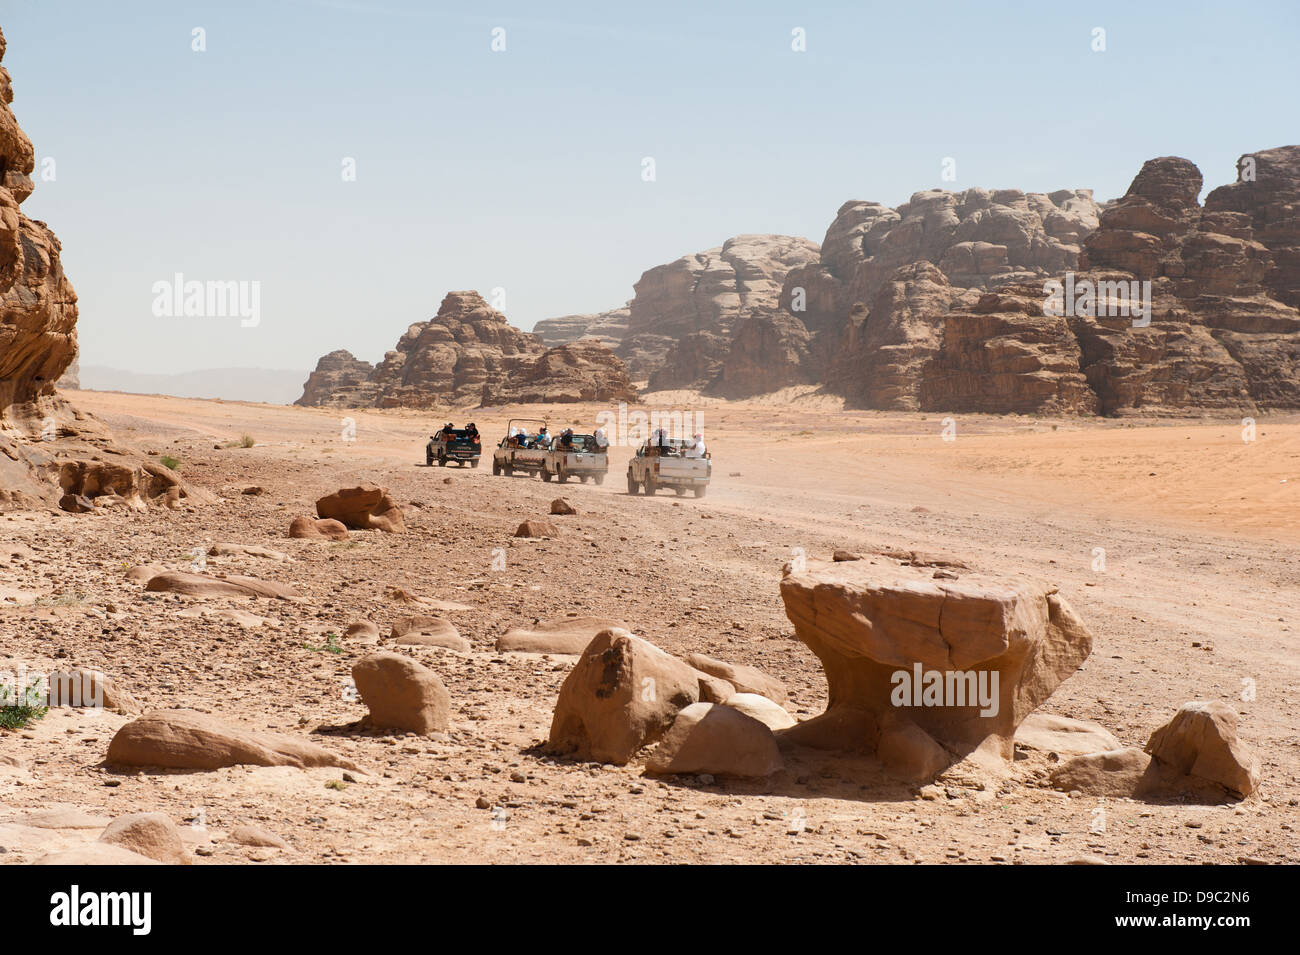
16	712
170	462
338	784
331	644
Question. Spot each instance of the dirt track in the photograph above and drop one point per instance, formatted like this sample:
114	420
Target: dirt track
1198	593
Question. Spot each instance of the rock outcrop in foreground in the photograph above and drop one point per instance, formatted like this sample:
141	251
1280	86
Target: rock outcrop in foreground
468	354
925	671
48	450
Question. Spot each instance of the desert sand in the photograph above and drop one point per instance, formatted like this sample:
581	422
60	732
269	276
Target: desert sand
1197	595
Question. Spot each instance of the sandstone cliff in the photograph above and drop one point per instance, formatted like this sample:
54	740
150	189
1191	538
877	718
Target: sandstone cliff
466	354
48	449
608	328
708	292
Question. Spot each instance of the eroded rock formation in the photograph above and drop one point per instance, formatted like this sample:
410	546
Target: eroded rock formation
708	291
466	355
48	449
923	671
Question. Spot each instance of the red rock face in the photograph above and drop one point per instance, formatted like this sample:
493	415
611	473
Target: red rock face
38	308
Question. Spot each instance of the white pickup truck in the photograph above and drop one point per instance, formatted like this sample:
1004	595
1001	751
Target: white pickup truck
583	459
518	451
666	465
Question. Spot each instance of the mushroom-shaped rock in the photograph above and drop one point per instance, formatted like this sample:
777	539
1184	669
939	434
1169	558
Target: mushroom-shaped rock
565	635
623	693
1199	748
964	660
151	834
719	740
536	527
185	739
402	694
303	527
362	508
420	631
745	679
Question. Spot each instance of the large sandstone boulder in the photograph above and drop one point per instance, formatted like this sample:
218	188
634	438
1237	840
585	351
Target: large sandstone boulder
719	740
362	508
184	739
402	694
623	693
151	834
1200	748
963	661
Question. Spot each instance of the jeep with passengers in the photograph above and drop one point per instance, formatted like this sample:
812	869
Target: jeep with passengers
669	462
454	444
524	448
578	456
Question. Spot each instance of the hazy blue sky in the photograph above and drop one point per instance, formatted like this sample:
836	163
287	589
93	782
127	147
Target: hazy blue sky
522	169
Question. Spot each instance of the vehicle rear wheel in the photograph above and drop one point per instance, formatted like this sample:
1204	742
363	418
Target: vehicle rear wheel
632	486
563	476
496	466
546	475
681	491
442	460
582	479
474	463
509	470
428	459
699	491
598	478
650	487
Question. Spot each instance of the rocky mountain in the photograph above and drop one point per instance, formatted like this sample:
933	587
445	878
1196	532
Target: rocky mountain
577	371
608	328
1215	331
467	354
709	292
340	380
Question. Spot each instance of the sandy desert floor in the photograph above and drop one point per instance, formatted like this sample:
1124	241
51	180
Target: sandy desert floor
1199	592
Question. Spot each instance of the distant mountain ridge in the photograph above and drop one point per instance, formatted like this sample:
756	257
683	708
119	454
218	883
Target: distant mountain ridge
267	385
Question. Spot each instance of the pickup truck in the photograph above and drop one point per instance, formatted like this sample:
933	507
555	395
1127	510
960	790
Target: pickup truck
585	459
666	465
516	452
454	444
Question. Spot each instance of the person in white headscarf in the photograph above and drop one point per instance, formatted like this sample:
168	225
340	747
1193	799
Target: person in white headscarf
696	448
602	442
